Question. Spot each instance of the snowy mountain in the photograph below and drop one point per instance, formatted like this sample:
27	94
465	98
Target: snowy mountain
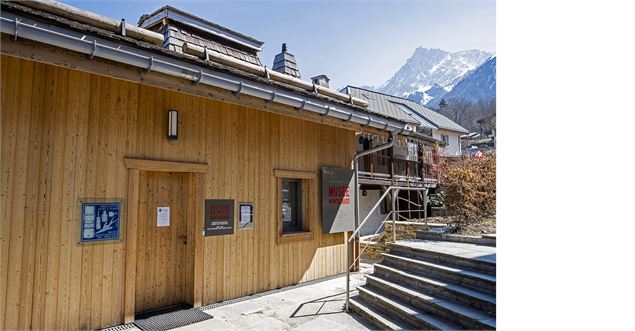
478	84
424	97
427	70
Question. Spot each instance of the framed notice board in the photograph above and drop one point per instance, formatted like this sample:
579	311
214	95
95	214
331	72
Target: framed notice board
219	217
101	220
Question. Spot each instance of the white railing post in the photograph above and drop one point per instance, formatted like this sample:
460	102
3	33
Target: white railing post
395	195
348	273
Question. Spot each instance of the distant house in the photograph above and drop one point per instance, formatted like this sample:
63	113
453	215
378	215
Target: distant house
483	141
487	125
410	163
424	119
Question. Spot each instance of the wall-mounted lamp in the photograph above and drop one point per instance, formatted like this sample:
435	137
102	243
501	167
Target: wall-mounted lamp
173	124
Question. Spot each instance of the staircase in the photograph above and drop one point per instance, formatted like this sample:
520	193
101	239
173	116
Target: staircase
431	285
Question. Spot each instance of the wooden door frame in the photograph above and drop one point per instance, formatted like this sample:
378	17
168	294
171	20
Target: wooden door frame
195	210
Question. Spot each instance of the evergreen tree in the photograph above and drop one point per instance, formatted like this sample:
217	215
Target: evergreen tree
442	104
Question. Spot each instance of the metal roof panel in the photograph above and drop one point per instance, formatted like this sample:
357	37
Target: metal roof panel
384	104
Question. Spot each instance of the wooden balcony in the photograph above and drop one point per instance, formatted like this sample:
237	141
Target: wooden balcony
382	169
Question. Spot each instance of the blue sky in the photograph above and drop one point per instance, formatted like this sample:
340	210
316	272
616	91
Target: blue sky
352	42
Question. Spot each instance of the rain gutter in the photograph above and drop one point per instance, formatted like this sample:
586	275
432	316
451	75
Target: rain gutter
22	27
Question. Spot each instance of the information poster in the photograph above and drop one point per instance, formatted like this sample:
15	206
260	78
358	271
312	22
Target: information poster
219	217
245	216
163	216
338	194
100	221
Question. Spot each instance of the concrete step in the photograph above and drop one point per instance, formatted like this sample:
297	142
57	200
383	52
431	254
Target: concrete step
434	231
405	311
468	317
439	288
435	225
429	251
466	278
440	236
376	316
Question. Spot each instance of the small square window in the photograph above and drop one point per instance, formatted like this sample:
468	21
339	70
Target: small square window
294	196
445	138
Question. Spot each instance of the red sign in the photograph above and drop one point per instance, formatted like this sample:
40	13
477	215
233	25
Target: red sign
338	195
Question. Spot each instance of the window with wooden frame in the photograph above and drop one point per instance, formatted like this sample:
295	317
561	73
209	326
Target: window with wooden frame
445	138
294	204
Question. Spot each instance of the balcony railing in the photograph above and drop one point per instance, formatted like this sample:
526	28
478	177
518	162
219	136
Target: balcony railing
383	166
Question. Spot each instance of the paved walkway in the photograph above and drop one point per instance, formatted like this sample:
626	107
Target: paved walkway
317	306
472	251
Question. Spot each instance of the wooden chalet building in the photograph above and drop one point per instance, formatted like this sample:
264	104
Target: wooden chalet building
162	164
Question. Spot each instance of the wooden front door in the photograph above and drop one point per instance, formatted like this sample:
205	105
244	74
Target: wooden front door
162	249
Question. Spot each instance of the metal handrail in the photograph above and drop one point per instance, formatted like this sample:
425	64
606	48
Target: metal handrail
409	201
394	212
371	212
374	234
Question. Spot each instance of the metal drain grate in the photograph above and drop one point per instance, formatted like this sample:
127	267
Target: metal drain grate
172	320
121	327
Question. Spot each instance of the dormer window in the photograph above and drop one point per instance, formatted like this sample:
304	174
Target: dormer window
180	28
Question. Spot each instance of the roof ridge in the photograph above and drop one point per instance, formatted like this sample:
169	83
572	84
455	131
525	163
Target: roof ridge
386	94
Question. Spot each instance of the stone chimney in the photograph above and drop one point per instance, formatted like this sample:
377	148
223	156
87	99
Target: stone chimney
321	80
285	63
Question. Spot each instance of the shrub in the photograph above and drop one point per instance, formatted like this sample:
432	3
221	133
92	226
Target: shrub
437	200
470	187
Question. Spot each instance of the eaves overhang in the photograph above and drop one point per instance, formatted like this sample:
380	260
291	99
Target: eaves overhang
151	58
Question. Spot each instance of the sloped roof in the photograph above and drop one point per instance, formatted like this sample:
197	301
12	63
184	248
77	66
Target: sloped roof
397	108
380	106
133	45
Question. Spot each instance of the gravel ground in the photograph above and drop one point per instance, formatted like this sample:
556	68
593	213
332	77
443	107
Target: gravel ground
485	226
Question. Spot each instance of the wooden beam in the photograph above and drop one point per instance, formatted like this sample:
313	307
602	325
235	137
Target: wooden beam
294	174
165	166
38	52
199	212
131	245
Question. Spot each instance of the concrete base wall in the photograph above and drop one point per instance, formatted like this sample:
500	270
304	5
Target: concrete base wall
365	204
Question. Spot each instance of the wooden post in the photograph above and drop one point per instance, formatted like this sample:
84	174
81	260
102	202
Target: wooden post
392	170
372	164
199	213
131	245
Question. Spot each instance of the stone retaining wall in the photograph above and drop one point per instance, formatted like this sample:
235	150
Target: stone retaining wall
408	230
404	230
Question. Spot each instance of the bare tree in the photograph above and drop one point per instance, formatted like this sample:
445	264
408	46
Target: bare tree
467	113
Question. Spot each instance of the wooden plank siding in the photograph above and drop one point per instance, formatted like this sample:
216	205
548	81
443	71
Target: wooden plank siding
65	135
